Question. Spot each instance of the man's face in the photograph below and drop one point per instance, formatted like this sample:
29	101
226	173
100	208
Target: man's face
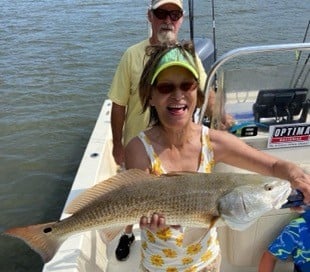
165	29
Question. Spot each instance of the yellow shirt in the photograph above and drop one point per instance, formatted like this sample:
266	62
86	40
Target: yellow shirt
124	90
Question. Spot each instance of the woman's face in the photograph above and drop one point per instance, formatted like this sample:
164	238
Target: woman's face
175	96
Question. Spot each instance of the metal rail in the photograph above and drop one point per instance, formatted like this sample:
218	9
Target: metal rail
240	52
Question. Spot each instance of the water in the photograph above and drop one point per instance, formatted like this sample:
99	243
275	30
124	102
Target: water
57	60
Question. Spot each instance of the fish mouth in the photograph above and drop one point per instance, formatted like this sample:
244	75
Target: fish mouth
282	196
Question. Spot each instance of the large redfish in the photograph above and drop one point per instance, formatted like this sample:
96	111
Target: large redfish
187	199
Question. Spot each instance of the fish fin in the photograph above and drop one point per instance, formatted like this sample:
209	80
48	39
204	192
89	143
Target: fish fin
40	238
233	224
179	173
194	235
116	181
108	234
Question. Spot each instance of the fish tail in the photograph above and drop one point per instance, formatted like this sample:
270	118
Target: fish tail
40	238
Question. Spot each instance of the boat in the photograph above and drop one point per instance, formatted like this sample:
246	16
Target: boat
264	110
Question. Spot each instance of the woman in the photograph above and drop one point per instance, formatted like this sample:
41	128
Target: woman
169	85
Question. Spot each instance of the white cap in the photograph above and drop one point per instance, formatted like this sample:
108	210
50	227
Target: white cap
157	3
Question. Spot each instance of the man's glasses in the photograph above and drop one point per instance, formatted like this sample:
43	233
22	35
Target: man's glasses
162	14
166	87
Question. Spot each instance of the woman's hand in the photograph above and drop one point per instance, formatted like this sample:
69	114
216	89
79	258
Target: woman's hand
302	183
299	177
157	221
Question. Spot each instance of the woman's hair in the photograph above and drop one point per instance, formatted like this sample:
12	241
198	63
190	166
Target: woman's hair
155	53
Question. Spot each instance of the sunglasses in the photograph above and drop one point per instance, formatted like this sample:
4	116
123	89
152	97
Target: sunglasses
162	14
166	88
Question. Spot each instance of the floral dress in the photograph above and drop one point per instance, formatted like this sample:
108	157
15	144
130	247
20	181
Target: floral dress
164	250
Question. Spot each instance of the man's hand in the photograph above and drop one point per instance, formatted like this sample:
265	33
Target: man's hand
117	123
119	153
227	122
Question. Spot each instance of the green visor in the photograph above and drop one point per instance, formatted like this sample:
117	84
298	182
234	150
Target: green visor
175	57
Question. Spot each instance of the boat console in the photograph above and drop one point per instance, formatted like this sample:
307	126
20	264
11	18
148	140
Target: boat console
281	106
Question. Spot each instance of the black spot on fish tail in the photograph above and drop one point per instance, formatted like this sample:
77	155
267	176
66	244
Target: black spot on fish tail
40	238
47	230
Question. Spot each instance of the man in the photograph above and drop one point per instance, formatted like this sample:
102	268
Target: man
127	120
166	17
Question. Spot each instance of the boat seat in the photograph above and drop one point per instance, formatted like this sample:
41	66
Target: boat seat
281	104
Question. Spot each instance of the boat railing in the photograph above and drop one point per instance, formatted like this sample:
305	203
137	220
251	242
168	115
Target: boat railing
241	52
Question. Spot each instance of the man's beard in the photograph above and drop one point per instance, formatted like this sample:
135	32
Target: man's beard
167	36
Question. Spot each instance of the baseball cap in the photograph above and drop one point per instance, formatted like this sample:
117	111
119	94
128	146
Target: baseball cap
157	3
175	57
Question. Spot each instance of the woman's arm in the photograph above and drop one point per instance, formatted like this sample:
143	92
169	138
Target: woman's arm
136	156
231	150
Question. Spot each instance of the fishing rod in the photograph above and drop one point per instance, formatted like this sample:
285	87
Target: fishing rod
298	56
301	71
213	28
214	42
306	76
191	19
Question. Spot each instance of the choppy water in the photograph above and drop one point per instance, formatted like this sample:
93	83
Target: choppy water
57	59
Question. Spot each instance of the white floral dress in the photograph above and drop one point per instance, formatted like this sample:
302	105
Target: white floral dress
164	250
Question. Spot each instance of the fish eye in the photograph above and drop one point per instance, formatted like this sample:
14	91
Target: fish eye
268	187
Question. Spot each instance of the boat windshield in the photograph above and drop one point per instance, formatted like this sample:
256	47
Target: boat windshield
261	97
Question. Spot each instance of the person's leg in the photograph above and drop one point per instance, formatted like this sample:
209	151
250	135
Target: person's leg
123	248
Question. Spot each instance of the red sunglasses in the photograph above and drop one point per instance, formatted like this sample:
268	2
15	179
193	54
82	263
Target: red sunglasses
162	14
166	87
